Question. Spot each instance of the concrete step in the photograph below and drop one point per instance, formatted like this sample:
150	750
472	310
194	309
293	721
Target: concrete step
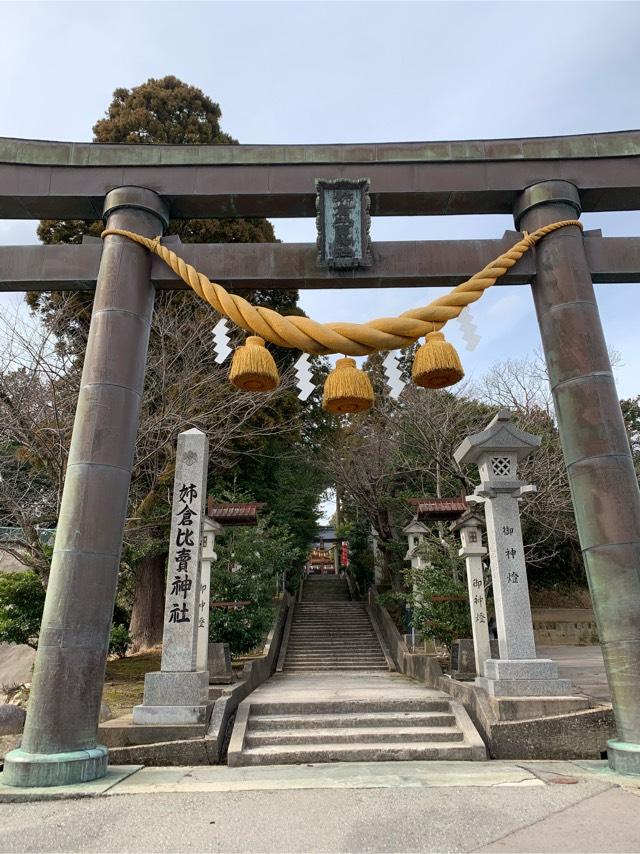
341	616
337	641
335	653
313	708
338	649
319	631
360	735
292	667
335	627
350	720
311	607
336	661
336	752
331	625
342	638
338	622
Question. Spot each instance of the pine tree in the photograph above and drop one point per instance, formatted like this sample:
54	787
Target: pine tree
158	111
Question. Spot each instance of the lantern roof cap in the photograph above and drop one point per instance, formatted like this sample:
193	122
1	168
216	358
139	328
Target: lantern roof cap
500	436
211	526
470	519
415	527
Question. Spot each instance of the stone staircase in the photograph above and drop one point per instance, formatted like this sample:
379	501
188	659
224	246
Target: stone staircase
353	731
330	632
337	699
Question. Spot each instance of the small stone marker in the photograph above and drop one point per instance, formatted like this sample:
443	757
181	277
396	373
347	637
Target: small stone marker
462	660
497	451
220	670
179	693
470	527
210	530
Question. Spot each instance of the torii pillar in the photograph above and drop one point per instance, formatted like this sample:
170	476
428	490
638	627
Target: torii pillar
59	745
600	468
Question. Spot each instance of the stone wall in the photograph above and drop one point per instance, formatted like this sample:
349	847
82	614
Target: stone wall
553	626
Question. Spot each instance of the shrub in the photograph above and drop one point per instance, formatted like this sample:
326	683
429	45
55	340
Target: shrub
251	562
21	605
242	629
441	620
119	640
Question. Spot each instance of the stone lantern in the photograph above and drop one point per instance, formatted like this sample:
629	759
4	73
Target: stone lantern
497	451
416	533
469	527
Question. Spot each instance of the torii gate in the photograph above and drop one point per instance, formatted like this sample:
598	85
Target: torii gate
137	187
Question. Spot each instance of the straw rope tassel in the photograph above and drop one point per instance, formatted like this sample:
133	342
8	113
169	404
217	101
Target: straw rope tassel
436	364
253	368
347	389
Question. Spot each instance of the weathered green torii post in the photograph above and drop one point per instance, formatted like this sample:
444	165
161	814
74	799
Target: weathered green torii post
59	745
602	478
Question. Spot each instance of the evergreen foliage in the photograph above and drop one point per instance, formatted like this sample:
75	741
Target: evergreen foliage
440	605
251	567
21	605
258	442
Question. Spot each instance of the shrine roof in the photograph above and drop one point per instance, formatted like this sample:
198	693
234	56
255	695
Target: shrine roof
243	513
439	508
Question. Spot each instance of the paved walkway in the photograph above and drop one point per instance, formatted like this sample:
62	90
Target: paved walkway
350	807
341	685
584	666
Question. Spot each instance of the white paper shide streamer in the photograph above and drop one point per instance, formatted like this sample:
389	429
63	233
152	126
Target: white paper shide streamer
303	373
221	341
469	329
393	375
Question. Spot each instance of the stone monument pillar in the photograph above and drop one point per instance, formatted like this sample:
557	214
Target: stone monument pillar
470	528
497	451
210	529
179	693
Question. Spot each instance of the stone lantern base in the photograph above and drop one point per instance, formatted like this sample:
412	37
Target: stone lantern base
536	677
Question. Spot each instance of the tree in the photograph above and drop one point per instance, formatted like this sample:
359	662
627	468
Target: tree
631	415
549	528
38	392
252	562
169	111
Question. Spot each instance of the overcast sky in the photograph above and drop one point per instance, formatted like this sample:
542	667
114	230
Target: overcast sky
301	72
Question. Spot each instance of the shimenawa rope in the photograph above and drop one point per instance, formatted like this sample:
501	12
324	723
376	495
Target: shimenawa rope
353	339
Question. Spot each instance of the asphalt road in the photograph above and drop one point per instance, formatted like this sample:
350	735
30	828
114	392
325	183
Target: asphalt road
586	816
